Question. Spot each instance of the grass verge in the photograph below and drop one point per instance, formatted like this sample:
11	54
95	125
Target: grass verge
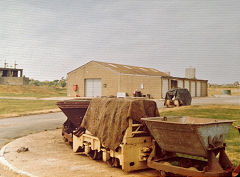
228	112
32	91
13	108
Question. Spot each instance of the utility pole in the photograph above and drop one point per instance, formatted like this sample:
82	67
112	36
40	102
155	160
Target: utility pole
5	64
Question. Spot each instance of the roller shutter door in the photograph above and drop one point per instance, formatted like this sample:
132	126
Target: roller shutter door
93	87
164	87
180	83
186	84
193	89
198	88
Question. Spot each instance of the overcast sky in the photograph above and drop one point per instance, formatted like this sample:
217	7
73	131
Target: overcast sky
49	38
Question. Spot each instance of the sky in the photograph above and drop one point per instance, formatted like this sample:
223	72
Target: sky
48	39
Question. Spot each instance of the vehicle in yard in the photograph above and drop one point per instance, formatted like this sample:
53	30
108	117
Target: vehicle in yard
177	97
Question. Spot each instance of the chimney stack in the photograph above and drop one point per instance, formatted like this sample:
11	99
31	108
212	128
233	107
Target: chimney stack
168	73
190	73
15	65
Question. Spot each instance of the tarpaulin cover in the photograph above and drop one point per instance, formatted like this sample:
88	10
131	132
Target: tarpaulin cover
180	94
107	118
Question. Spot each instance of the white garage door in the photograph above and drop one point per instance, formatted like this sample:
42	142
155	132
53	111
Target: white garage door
164	87
180	83
93	87
193	89
186	84
198	88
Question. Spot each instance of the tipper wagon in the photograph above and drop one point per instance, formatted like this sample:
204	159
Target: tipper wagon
197	137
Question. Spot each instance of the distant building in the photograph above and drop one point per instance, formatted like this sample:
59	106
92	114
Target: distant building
12	76
96	79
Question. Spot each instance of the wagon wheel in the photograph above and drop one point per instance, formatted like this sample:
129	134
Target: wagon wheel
110	162
113	162
186	163
81	149
99	155
70	143
65	139
95	155
116	162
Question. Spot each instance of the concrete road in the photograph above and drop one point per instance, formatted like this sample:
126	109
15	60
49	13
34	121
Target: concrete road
12	128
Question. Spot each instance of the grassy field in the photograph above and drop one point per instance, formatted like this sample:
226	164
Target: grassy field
219	90
228	112
32	91
10	108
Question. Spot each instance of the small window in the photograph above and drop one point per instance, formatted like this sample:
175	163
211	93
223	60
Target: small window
142	86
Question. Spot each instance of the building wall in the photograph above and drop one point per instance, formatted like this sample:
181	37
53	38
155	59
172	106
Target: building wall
145	84
180	83
190	84
193	88
165	87
14	80
113	82
204	88
92	70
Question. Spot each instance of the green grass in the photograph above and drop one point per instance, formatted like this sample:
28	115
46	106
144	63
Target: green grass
32	91
228	112
10	108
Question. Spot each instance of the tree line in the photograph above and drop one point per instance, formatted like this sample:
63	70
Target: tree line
55	83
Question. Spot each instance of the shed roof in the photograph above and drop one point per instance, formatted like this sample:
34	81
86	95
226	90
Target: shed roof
133	70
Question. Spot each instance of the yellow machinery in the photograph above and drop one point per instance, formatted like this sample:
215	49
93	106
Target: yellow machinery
131	154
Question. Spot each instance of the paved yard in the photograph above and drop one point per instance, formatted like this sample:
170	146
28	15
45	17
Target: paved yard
49	156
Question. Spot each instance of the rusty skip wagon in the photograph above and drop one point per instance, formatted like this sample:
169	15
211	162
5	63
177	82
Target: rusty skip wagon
130	134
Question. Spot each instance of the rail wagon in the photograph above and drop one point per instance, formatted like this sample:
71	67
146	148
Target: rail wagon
130	134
